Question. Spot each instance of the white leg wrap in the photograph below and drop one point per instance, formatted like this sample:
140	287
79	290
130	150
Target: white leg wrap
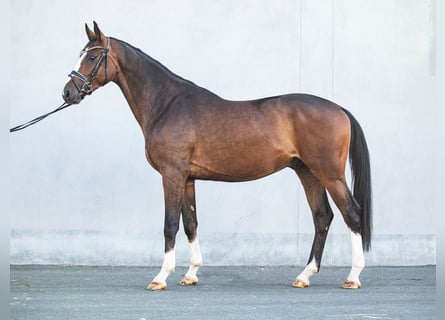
195	259
358	259
308	272
168	266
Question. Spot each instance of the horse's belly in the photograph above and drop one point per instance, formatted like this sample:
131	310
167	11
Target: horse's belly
246	162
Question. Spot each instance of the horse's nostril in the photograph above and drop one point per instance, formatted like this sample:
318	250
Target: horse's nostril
66	95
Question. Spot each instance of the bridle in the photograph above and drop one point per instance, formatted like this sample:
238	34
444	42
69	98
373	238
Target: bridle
86	87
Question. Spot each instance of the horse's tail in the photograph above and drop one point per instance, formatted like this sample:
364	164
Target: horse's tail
361	178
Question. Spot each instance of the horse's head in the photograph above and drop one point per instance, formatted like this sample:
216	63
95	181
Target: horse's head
93	69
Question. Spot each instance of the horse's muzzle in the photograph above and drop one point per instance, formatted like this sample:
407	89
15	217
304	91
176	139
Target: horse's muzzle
71	94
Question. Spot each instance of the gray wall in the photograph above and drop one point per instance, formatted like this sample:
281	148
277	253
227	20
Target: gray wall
82	191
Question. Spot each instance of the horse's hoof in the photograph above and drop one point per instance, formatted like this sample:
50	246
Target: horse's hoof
299	284
156	286
186	281
349	284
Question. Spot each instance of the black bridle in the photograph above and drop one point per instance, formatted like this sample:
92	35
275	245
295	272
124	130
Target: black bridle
86	87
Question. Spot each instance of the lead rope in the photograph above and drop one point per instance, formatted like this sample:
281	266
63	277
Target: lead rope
34	121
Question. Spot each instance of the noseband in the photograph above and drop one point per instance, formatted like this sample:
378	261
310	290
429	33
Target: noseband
86	86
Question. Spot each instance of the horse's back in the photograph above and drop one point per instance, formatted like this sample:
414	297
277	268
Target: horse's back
245	140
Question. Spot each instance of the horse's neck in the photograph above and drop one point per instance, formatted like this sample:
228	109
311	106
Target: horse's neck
147	87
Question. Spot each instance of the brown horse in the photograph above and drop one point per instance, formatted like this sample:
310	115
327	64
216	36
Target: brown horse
191	133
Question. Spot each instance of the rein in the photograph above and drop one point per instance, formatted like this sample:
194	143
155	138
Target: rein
34	121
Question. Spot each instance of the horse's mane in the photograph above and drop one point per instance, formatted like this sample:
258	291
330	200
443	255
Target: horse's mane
155	62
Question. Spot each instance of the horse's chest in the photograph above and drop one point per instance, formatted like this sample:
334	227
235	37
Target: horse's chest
150	158
163	154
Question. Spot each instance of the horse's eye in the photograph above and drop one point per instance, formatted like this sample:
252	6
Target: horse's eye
92	58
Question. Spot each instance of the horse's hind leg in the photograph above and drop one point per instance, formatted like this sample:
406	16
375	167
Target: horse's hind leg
322	217
190	222
350	210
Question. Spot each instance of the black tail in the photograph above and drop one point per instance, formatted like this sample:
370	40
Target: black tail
361	178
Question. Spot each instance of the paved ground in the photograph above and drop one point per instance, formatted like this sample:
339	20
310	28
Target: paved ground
56	292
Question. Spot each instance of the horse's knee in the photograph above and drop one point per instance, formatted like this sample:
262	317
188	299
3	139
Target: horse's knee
190	230
190	222
323	219
170	230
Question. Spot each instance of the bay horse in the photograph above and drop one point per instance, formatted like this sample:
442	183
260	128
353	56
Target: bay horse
191	133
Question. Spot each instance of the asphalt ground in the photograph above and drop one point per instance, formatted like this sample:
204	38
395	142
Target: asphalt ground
75	292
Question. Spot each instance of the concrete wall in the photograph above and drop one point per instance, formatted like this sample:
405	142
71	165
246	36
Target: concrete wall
83	193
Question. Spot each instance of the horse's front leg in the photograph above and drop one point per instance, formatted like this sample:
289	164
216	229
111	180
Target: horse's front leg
190	225
173	195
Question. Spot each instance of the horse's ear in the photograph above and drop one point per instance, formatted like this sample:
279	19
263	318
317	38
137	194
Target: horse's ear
100	36
90	34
